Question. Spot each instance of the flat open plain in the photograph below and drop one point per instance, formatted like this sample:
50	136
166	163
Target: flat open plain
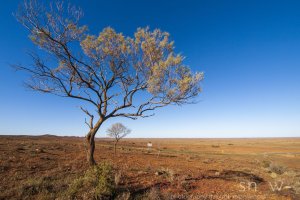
177	168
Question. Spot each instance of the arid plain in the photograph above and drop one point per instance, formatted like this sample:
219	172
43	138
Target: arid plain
44	167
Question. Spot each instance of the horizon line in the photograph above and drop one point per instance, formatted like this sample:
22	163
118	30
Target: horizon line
74	136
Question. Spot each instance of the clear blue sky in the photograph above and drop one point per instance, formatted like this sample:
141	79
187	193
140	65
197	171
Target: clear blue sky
249	51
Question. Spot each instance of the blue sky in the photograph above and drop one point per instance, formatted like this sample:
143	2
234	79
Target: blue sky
249	51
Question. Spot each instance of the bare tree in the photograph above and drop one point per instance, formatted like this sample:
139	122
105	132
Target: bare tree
117	131
116	75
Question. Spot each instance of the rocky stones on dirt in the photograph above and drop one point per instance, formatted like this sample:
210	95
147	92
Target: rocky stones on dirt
39	150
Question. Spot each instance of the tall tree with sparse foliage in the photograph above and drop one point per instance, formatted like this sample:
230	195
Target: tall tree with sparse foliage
116	75
117	131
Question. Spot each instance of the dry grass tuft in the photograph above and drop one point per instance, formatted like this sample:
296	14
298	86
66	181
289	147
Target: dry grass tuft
168	173
278	169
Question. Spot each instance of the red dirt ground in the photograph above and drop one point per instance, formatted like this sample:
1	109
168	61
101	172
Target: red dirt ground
179	168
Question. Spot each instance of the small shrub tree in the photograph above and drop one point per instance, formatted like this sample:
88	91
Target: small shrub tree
96	183
117	131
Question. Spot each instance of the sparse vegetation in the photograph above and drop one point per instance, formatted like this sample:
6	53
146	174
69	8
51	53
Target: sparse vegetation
266	163
34	186
273	167
134	174
96	183
292	179
276	168
168	173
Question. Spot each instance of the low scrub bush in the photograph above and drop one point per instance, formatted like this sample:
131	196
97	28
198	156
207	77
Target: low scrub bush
273	167
41	187
278	169
266	163
167	172
96	183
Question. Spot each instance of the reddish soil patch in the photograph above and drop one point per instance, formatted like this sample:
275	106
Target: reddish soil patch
180	168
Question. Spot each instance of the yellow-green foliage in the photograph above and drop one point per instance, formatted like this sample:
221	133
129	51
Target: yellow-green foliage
109	68
151	53
96	183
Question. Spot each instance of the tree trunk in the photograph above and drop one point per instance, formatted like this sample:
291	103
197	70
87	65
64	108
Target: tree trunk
115	147
91	148
90	140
